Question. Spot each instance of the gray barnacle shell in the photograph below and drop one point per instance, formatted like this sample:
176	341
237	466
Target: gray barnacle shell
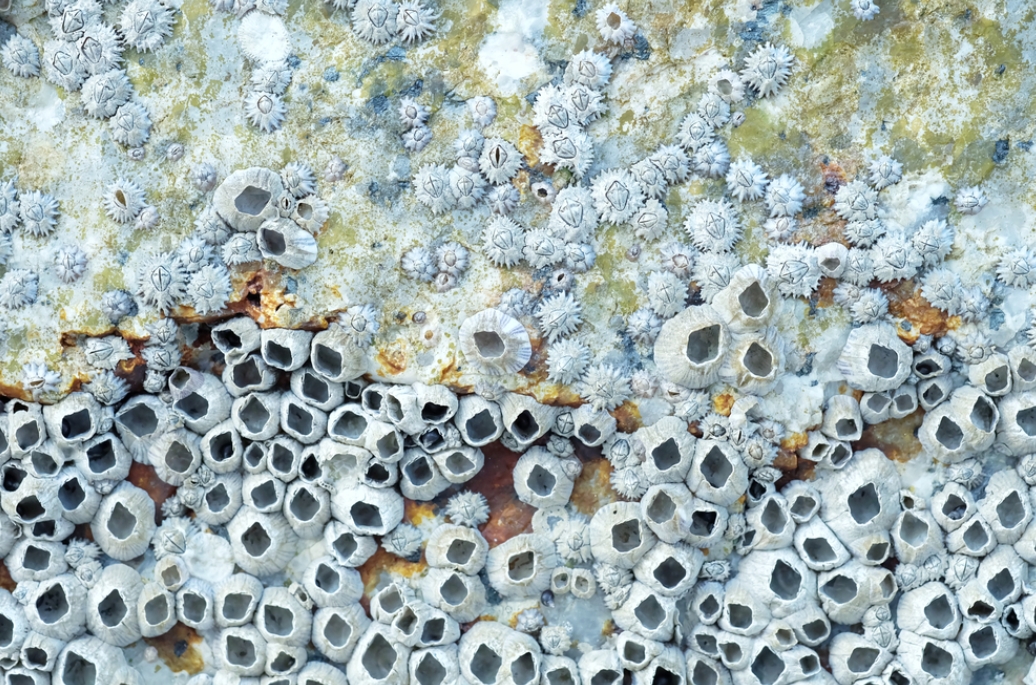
248	197
522	566
109	603
874	359
125	522
691	347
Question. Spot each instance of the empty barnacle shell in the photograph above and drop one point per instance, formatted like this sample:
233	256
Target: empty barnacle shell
337	630
125	522
109	613
367	510
541	479
261	543
248	197
691	347
618	536
717	473
57	607
200	399
874	359
281	618
478	420
241	650
255	416
522	566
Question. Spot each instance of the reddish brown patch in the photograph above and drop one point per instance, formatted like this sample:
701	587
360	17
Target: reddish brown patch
722	404
145	478
895	438
627	417
177	649
508	516
6	581
834	176
786	461
593	487
804	470
825	292
905	302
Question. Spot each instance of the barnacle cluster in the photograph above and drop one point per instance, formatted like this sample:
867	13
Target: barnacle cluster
594	401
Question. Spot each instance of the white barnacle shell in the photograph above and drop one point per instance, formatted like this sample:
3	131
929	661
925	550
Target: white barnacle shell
784	196
111	604
495	343
714	109
209	289
499	161
884	170
273	76
942	288
605	387
652	178
107	388
457	547
572	149
613	24
933	241
502	199
286	243
717	473
691	347
417	138
411	113
643	326
375	20
125	522
875	359
728	86
1017	267
265	111
432	188
63	65
106	352
864	233
588	68
667	293
559	315
522	566
262	544
541	479
712	159
767	69
336	631
694	132
9	211
38	211
239	249
856	201
970	200
415	21
104	93
573	217
586	101
248	197
466	187
21	56
503	241
310	213
895	258
145	24
713	226
794	268
131	124
552	111
745	179
756	362
865	10
748	301
617	195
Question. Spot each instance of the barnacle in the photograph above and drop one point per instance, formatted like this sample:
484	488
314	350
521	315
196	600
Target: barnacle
335	169
864	233
767	69
573	216
552	111
21	56
161	282
933	241
63	66
713	273
116	304
107	388
542	248
99	48
145	24
418	263
503	199
403	541
651	221
970	200
18	288
617	195
417	138
567	360
677	259
613	24
499	161
784	196
588	68
746	180
39	379
6	247
411	113
856	201
694	132
794	268
559	315
69	263
68	20
467	508
9	209
209	288
271	77
667	293
871	305
415	21
503	241
240	248
643	326
571	149
131	124
713	226
884	171
466	187
265	111
123	200
299	179
864	10
105	93
605	387
780	228
895	258
432	188
375	20
711	159
714	109
38	211
728	86
672	161
482	109
859	267
1017	267
586	101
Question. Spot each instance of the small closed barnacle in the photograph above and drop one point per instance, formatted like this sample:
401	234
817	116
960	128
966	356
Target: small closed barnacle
694	132
416	138
712	159
161	282
9	211
18	288
69	263
107	388
116	304
239	249
100	48
298	179
418	263
131	124
588	68
579	258
466	187
794	268
784	196
499	161
605	387
767	69
265	111
360	323
415	21
970	200
451	258
587	102
713	226
123	201
895	258
714	273
865	10
864	233
503	241
503	199
567	360
467	508
432	188
542	249
412	114
667	293
21	56
714	109
859	267
145	24
678	259
482	109
38	211
209	289
404	541
871	305
271	77
780	228
559	315
572	149
746	180
375	20
335	169
39	379
933	241
1017	267
856	201
63	65
884	171
573	217
613	24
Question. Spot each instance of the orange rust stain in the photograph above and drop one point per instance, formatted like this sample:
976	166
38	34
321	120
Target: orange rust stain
593	488
786	461
608	629
530	142
906	302
627	417
384	562
825	292
834	174
6	581
722	404
416	512
391	358
177	649
794	442
895	437
508	516
145	478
